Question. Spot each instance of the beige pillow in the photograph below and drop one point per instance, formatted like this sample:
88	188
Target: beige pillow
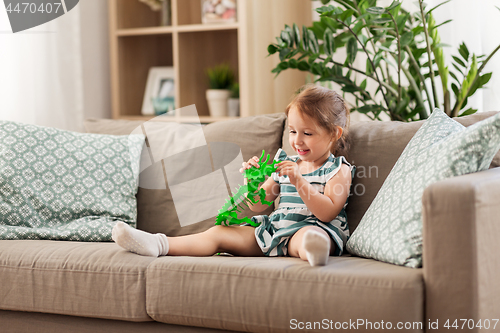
156	210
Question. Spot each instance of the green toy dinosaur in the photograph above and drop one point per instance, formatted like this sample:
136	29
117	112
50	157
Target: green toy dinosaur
247	194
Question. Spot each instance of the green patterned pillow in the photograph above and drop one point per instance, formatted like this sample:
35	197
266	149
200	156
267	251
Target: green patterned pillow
391	229
63	185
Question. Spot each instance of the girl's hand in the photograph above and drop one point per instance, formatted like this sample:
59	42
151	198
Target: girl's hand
251	162
290	169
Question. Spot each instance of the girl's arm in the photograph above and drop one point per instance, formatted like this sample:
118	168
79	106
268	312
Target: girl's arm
272	191
324	206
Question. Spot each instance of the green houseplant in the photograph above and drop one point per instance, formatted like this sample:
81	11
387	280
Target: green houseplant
233	103
220	80
404	58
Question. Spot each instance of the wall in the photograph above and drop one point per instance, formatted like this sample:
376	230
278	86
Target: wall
95	58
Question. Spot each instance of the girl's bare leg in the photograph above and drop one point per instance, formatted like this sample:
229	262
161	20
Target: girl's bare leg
312	244
237	240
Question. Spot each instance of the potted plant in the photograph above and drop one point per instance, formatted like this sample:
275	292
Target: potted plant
220	79
404	59
233	104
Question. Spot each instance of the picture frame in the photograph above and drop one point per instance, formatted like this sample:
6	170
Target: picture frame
160	88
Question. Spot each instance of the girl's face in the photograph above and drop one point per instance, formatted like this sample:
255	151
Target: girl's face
311	142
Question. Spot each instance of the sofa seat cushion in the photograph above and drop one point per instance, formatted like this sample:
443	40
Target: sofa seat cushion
278	294
73	278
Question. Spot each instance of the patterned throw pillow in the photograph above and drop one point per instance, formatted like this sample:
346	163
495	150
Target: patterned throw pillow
63	185
391	229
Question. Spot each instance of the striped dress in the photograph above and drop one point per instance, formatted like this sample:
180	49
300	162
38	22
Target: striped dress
275	230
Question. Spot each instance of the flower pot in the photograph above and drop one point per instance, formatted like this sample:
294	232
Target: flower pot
217	102
233	107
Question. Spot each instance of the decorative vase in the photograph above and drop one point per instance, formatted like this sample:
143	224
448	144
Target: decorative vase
218	11
233	107
217	102
166	17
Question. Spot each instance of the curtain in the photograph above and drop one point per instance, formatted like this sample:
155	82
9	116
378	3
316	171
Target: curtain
475	23
41	73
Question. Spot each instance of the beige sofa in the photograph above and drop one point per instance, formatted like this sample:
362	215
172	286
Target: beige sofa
56	286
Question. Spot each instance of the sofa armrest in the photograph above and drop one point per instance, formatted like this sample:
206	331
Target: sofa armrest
461	247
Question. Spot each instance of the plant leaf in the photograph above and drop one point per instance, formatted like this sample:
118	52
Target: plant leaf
454	76
468	112
378	57
313	42
401	106
283	53
401	21
369	68
363	39
445	22
376	10
383	48
485	78
363	84
407	38
458	69
329	42
382	20
283	65
296	34
352	50
393	5
417	30
442	3
271	49
370	108
326	9
305	38
459	61
464	51
318	28
291	33
415	111
329	22
285	36
346	15
382	28
303	66
312	58
481	81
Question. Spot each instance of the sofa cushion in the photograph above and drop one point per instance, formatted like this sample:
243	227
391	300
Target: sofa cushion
73	278
156	210
375	148
277	294
63	185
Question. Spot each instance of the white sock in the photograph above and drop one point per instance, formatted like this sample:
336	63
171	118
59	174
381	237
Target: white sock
317	247
138	241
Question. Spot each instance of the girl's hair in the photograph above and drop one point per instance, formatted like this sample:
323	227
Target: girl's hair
328	109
